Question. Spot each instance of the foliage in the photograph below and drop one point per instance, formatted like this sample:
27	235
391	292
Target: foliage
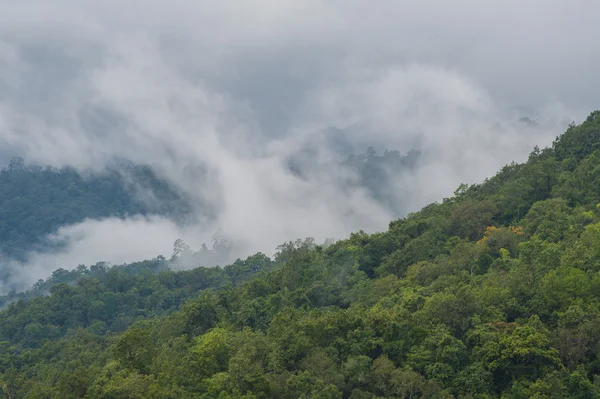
36	201
493	293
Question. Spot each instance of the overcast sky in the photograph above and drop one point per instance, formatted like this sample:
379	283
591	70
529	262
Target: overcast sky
238	86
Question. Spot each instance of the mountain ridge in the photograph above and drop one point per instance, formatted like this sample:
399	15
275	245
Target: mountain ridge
492	293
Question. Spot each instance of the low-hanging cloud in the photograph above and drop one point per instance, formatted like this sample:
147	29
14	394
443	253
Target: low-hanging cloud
217	97
86	243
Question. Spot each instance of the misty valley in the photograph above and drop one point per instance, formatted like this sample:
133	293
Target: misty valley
493	292
283	199
36	202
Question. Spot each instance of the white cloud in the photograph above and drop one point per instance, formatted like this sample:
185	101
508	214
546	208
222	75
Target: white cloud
236	87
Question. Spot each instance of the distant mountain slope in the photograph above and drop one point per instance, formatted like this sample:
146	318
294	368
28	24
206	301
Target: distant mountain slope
36	201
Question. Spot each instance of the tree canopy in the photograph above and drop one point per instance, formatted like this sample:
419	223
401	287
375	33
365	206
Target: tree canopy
493	293
36	201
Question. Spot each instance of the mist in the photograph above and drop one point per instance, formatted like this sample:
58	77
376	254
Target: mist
217	98
86	243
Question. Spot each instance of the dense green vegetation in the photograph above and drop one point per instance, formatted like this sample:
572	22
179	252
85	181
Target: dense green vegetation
493	293
36	201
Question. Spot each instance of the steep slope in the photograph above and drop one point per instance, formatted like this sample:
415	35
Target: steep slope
493	293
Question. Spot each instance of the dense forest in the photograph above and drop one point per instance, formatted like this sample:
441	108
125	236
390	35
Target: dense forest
492	293
36	201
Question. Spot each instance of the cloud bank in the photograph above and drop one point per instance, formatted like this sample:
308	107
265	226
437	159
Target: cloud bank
217	96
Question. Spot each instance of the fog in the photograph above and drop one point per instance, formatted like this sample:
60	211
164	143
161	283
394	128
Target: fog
237	88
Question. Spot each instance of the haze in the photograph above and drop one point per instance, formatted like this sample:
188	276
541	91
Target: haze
238	87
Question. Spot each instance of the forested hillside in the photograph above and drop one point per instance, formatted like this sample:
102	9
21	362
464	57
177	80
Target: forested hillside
36	201
493	293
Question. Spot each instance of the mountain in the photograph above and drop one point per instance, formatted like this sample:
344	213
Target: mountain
36	201
377	174
493	293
